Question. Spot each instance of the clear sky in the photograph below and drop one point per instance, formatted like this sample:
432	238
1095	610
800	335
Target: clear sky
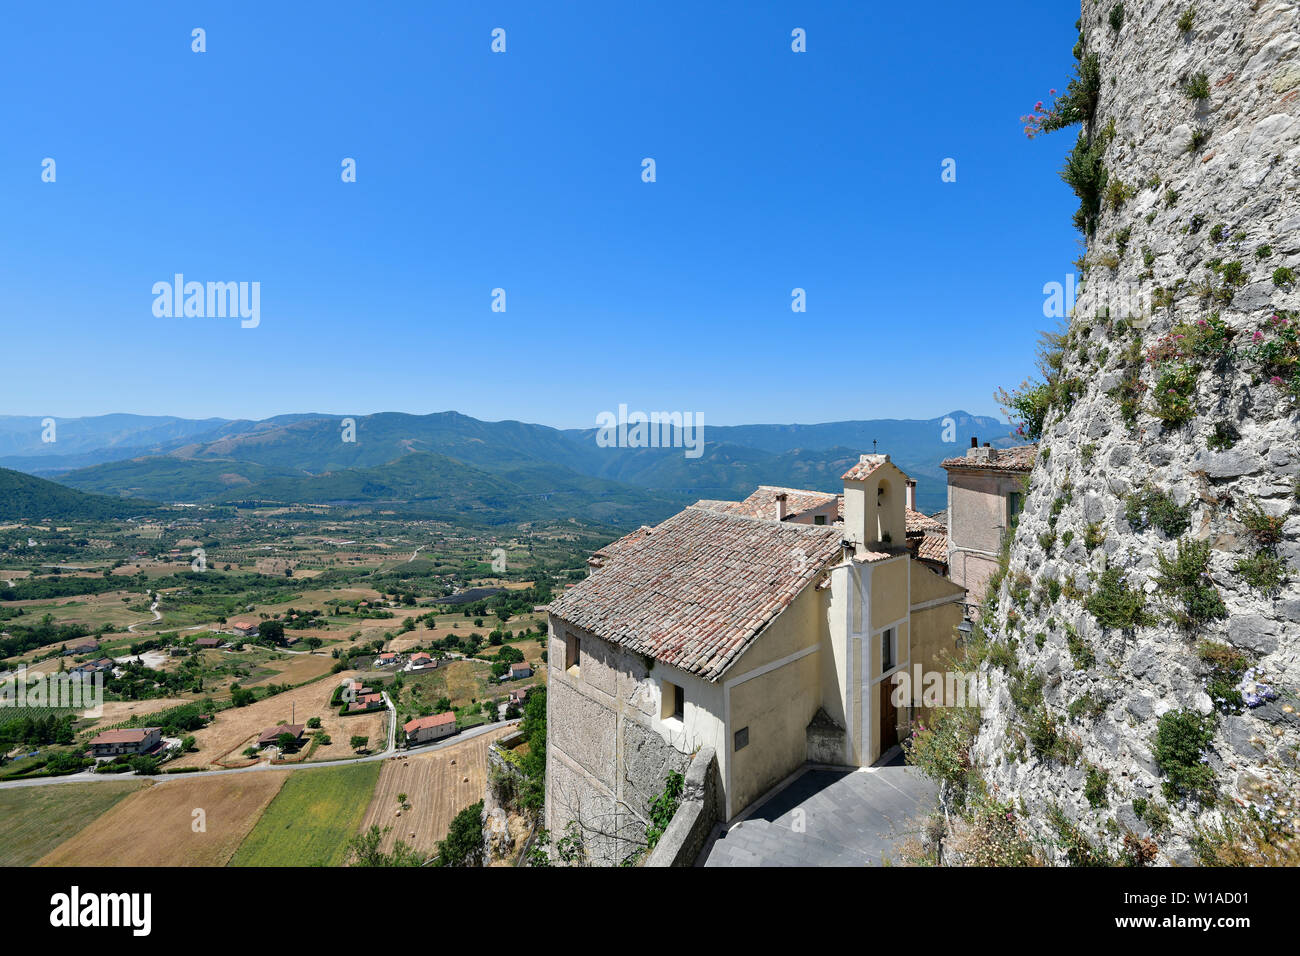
522	170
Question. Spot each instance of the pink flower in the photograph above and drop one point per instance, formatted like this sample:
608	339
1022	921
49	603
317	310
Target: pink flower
1257	337
1276	380
1053	92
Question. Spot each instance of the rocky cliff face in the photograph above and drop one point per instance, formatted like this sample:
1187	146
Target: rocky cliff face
1155	571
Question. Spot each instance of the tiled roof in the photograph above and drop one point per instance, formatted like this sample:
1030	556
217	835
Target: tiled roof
762	503
695	590
437	720
918	523
713	504
934	547
124	736
272	734
866	467
1019	458
598	558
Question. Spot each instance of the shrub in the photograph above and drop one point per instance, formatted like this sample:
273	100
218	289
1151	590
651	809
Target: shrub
1080	652
1181	751
1283	276
1224	436
1226	666
1173	395
1263	527
1150	508
1117	16
1186	19
942	750
1093	536
1115	604
1085	173
1264	571
1094	787
1197	87
1183	579
663	807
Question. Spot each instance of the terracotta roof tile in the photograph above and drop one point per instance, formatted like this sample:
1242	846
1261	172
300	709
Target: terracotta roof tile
1018	458
762	503
695	590
866	467
934	547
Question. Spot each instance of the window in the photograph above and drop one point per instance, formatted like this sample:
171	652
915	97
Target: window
817	519
886	649
672	702
572	649
742	739
1015	502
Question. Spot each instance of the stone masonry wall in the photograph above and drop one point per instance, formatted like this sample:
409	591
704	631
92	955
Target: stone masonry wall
1201	209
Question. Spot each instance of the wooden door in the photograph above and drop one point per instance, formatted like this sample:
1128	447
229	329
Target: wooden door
888	716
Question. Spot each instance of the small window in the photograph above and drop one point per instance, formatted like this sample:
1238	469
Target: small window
742	739
572	650
886	649
1015	502
672	702
819	519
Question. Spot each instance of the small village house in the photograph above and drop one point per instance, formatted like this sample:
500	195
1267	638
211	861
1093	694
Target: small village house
113	743
271	736
986	490
245	628
422	730
519	671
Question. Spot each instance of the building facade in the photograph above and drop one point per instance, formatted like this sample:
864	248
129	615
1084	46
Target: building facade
773	640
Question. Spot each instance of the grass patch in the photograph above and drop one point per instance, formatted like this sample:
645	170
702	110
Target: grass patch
34	820
311	819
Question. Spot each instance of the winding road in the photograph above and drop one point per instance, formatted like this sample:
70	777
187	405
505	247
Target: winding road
164	778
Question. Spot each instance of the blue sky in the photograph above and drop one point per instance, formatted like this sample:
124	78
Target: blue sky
522	170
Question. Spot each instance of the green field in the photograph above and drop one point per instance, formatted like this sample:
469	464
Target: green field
34	820
311	819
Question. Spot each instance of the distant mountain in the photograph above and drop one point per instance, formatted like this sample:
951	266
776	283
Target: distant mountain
27	498
307	456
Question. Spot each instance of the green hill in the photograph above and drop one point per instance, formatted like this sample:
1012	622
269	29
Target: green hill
25	498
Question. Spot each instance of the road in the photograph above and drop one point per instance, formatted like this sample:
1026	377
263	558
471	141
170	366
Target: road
165	778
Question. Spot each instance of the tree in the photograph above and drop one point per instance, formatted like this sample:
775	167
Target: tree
287	742
464	843
358	742
363	850
271	631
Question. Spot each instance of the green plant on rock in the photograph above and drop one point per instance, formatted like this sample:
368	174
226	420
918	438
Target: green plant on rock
1225	666
1181	753
1266	529
1185	583
1223	437
1093	536
1116	605
1264	571
1152	508
1197	86
1096	780
1080	653
1186	19
1172	395
1284	277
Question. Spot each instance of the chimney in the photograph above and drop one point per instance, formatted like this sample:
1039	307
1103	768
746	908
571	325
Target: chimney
911	494
974	442
780	506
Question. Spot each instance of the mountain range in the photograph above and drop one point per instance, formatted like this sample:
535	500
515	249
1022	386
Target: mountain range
449	464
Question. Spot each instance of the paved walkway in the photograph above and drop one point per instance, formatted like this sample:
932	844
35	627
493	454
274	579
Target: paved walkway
829	818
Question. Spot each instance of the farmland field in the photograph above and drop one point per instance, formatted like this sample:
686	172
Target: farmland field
35	820
311	819
222	742
156	826
436	787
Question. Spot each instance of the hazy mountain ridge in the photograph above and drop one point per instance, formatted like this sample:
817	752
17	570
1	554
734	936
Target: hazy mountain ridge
305	458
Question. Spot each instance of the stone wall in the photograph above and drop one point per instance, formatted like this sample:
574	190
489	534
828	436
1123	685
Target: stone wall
700	809
1201	208
605	762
